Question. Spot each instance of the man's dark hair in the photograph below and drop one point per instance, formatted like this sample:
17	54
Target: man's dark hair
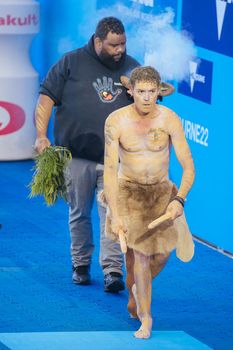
147	74
109	24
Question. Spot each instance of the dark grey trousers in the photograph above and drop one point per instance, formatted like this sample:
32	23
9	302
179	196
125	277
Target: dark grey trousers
86	179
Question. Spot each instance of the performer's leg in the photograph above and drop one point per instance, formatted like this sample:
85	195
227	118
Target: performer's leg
157	263
132	307
142	293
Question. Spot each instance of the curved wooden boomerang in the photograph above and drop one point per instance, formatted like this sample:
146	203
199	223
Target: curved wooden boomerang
153	224
159	220
123	243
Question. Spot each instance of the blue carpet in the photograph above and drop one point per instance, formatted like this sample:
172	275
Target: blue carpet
37	295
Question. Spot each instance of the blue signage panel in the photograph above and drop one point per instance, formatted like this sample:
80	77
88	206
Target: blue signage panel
199	84
211	24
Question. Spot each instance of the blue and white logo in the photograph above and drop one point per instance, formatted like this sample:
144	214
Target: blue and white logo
199	85
221	7
216	17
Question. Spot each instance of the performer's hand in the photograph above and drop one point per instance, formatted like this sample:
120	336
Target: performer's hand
41	143
176	209
117	225
125	82
166	89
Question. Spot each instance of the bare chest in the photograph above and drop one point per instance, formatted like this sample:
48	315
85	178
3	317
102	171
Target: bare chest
144	135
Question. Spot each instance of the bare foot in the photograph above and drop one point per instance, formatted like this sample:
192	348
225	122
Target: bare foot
133	314
144	332
132	308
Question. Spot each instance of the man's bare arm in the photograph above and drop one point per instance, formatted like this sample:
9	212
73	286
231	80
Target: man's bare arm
183	155
111	166
42	115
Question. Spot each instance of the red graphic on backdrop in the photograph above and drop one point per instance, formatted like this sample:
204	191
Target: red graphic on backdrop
17	118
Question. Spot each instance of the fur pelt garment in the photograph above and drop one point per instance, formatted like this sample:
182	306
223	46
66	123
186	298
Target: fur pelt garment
138	205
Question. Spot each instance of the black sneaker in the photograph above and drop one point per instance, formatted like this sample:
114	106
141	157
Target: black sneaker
113	282
81	275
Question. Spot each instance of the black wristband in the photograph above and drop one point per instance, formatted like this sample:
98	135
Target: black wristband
180	200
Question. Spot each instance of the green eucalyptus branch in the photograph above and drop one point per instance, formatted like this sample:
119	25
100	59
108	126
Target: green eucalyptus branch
49	179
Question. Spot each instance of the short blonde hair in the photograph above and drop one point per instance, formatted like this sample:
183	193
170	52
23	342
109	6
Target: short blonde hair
148	74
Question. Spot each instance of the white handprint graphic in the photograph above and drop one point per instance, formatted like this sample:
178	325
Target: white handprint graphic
105	89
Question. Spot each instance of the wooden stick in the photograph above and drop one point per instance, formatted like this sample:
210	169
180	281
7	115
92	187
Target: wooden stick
159	220
123	243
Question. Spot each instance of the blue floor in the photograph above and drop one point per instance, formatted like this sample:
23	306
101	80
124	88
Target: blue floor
192	303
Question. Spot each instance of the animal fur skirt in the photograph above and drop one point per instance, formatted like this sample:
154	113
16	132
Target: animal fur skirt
139	205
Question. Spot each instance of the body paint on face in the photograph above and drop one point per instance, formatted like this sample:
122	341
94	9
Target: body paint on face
145	95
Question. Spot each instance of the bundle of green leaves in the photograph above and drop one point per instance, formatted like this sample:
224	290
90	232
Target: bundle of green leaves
49	174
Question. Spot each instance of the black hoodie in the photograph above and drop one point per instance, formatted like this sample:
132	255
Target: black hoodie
85	92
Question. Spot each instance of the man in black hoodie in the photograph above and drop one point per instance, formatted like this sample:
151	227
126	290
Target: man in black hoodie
84	86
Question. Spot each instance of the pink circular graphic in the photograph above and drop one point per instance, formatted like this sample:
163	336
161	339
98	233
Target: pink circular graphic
17	117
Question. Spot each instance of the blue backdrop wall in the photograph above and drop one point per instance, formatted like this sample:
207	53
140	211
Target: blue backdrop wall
202	100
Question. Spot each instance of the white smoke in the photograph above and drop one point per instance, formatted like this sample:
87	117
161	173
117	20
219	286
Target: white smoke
154	41
170	52
167	49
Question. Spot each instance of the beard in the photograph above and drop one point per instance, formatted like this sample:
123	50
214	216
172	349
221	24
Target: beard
109	61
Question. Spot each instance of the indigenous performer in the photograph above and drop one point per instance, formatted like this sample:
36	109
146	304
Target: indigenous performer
138	189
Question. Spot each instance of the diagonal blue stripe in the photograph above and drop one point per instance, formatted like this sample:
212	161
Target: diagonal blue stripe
166	340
